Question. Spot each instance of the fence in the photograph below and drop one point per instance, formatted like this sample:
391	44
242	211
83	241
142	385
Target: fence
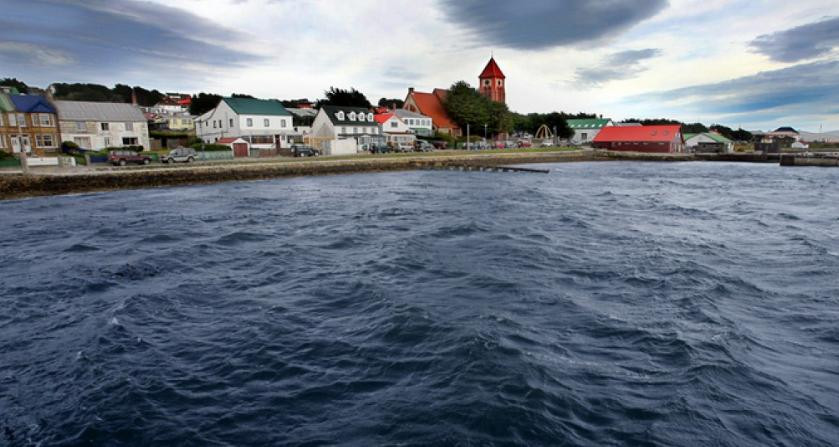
215	155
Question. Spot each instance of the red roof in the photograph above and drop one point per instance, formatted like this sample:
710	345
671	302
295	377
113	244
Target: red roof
638	133
492	70
382	117
431	104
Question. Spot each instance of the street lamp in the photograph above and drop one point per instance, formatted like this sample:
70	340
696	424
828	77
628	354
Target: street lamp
485	131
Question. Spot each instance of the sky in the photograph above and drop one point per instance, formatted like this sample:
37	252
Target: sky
756	64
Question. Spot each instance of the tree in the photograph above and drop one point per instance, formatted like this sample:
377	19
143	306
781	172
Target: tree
86	92
203	103
385	102
241	95
694	128
13	82
344	98
466	106
651	121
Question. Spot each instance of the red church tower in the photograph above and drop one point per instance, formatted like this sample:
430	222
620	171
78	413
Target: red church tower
491	82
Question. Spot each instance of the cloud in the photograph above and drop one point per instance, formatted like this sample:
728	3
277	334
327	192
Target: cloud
801	90
37	53
622	65
537	24
799	43
114	36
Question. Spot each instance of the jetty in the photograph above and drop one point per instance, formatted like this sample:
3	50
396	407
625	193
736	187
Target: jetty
830	159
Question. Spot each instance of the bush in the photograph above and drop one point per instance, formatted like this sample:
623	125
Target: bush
210	147
5	155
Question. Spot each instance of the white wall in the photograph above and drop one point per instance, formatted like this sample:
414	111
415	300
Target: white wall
100	139
346	146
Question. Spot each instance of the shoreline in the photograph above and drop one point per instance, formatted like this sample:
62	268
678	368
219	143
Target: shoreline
16	186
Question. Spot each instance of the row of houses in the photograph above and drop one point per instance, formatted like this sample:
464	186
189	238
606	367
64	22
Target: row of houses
36	124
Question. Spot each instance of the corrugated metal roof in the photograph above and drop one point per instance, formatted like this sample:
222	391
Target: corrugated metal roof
302	113
591	123
404	113
99	111
251	106
664	133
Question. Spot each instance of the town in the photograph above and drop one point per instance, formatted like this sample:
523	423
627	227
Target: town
52	127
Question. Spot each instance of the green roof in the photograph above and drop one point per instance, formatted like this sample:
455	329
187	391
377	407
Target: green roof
251	106
6	104
591	123
714	136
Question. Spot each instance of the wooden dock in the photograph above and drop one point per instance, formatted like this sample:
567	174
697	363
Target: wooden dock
809	160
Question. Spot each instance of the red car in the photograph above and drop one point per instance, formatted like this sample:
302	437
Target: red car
122	158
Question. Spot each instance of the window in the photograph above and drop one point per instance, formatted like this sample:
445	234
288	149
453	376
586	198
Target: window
45	120
107	141
1	120
499	83
486	82
104	126
81	126
44	140
370	117
249	122
214	124
83	142
394	124
12	120
340	116
129	127
132	141
266	122
21	120
343	130
584	136
282	123
2	142
355	130
351	116
231	122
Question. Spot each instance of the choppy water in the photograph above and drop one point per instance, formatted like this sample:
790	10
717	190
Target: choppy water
602	304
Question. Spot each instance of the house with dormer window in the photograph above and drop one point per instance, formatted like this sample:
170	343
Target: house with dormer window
264	124
339	130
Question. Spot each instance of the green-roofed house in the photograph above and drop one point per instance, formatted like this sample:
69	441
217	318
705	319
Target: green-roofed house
264	123
586	129
708	142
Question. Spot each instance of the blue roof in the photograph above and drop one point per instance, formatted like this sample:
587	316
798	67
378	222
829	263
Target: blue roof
32	104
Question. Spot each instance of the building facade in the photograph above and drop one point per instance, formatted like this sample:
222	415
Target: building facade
28	123
664	139
491	82
586	129
99	125
265	124
431	105
397	133
708	142
417	122
341	130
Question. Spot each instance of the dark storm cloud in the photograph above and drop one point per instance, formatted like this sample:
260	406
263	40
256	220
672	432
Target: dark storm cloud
804	89
111	36
622	65
536	24
800	43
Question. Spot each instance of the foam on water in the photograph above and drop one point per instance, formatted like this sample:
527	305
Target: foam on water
602	304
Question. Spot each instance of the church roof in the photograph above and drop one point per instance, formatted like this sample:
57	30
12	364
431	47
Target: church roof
492	70
431	105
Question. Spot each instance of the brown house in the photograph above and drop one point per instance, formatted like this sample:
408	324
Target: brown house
28	123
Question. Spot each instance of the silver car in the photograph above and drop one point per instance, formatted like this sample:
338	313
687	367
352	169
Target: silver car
180	155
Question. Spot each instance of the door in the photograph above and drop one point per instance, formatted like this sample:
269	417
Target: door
240	149
24	142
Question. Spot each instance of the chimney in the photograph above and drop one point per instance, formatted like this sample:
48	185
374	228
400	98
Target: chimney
133	97
410	90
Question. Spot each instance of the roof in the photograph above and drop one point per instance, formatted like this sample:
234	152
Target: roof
331	113
403	113
717	138
431	105
253	106
664	133
6	104
492	70
99	111
382	117
228	140
32	104
302	112
786	129
590	123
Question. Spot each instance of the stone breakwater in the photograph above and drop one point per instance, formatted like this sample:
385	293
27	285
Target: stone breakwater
39	184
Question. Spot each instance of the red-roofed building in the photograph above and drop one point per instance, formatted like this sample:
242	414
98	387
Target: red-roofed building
491	82
663	139
241	148
431	105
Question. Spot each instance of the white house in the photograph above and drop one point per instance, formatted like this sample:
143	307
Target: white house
708	142
97	125
586	129
397	133
339	130
419	123
264	124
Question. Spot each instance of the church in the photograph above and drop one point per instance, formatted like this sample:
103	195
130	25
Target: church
491	83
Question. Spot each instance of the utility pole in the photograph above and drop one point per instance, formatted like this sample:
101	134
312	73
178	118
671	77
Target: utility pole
467	136
485	131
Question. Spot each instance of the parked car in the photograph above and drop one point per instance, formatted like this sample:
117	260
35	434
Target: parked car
122	158
300	150
378	148
440	144
403	147
423	146
523	143
180	155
